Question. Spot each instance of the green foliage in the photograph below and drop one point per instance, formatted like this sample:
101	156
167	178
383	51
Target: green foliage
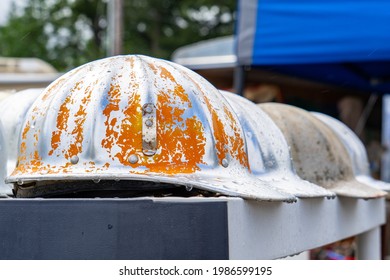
67	33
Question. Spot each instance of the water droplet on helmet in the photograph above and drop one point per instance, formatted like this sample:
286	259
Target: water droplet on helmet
133	159
74	159
225	162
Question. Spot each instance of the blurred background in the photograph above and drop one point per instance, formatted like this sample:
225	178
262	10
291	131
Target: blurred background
68	33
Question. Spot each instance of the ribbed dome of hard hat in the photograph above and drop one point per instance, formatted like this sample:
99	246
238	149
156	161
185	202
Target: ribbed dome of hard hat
268	152
4	189
13	110
318	154
356	151
136	118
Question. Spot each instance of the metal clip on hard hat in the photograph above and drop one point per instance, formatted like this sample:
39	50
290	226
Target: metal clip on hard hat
13	110
125	122
268	152
356	151
318	154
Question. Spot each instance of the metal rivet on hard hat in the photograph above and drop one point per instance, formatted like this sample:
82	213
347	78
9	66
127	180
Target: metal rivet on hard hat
133	159
148	123
148	109
74	159
149	129
225	162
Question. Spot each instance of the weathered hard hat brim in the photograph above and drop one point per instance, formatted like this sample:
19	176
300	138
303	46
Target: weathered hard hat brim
356	189
296	186
247	188
377	184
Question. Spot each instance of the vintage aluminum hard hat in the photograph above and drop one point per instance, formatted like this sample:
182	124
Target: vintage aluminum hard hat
318	154
268	152
4	189
134	118
356	151
13	110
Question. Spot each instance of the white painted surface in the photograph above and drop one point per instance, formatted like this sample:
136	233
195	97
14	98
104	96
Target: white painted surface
365	241
261	230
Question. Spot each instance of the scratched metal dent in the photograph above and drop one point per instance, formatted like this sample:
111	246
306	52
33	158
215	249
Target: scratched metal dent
356	151
13	110
93	123
268	153
318	154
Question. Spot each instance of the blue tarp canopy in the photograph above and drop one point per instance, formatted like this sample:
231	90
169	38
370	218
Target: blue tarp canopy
342	42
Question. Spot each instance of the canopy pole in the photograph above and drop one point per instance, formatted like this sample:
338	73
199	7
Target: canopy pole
385	164
366	113
115	27
239	80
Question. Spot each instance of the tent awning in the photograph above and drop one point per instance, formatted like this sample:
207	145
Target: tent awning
342	42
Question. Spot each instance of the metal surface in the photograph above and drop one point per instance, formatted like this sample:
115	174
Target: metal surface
181	228
13	110
275	230
356	151
94	112
106	229
268	152
318	155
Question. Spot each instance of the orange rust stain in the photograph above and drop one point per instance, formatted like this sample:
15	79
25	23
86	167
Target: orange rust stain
129	138
52	89
154	69
220	135
114	97
62	124
80	117
26	129
23	145
237	141
222	139
165	74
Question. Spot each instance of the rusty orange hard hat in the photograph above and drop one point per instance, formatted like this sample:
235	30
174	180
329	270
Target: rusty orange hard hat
268	152
318	154
134	118
13	110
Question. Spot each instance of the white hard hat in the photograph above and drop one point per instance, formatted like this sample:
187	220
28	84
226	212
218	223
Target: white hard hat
4	189
356	151
268	152
134	118
13	110
318	154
